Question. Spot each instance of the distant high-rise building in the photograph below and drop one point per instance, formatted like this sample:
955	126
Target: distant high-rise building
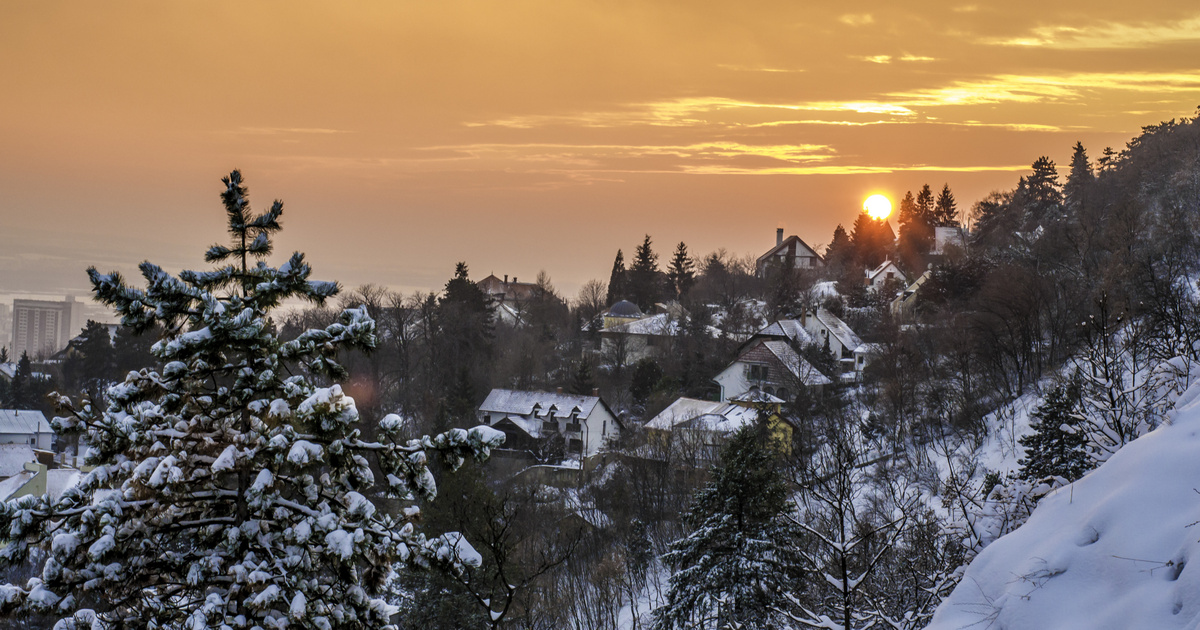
42	327
5	325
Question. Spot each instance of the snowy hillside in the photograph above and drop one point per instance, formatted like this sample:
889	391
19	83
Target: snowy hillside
1112	550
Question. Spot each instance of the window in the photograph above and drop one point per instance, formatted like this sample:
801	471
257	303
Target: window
782	392
758	372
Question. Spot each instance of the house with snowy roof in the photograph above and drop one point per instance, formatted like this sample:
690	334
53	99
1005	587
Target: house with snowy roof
550	423
641	338
824	327
789	330
907	300
770	366
789	253
698	428
25	426
886	272
37	479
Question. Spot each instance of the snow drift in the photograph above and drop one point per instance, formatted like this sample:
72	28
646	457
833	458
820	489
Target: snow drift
1112	550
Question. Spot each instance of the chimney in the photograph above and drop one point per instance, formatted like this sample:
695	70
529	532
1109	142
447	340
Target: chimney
596	392
505	278
558	390
778	237
514	279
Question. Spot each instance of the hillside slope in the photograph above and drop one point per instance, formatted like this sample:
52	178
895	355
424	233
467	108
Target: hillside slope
1112	550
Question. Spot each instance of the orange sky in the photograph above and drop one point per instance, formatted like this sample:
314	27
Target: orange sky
518	136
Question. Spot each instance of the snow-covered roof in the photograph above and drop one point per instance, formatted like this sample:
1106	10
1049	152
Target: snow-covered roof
869	349
791	329
838	328
661	325
59	479
9	486
704	415
522	403
8	370
23	421
13	458
755	395
796	364
883	267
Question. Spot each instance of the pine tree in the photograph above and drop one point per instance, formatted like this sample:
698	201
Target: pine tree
22	392
645	287
582	382
1042	193
839	255
1058	446
647	374
945	210
682	271
618	281
93	361
741	560
916	235
925	206
229	490
1079	181
466	328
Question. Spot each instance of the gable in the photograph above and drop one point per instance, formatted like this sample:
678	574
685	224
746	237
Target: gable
792	246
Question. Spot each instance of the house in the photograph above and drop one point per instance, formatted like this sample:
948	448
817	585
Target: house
698	428
864	355
789	330
788	253
23	426
550	423
771	366
509	298
881	275
623	312
824	327
37	479
948	237
642	338
907	301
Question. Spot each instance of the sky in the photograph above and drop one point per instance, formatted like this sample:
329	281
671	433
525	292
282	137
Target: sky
524	136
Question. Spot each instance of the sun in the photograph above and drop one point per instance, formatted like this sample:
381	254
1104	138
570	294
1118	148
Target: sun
878	207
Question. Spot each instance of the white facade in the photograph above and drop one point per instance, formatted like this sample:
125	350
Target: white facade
22	426
824	325
882	274
531	418
771	367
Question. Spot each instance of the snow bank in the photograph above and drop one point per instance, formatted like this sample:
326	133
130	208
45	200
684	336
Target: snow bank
1112	550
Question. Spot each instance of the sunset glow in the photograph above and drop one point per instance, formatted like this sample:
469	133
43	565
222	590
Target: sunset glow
408	136
878	207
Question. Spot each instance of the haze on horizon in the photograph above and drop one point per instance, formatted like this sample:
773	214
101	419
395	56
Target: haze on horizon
521	136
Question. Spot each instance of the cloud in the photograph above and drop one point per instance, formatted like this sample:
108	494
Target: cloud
1106	35
857	19
274	131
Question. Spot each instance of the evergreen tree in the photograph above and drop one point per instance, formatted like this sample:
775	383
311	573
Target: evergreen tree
4	354
682	271
618	281
925	206
1058	445
1079	181
93	360
945	210
741	560
873	242
839	255
1041	195
23	391
465	330
916	235
582	382
645	287
229	490
647	374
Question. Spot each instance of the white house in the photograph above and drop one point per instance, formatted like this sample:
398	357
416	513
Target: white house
825	326
770	366
946	237
906	301
23	426
640	338
789	253
885	272
539	421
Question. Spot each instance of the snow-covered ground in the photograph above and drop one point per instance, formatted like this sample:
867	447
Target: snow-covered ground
1112	550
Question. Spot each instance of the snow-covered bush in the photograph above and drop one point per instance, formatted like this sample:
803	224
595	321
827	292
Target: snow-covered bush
229	490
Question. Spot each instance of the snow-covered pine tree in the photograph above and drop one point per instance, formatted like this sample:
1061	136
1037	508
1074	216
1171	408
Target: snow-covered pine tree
1058	445
229	490
741	561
